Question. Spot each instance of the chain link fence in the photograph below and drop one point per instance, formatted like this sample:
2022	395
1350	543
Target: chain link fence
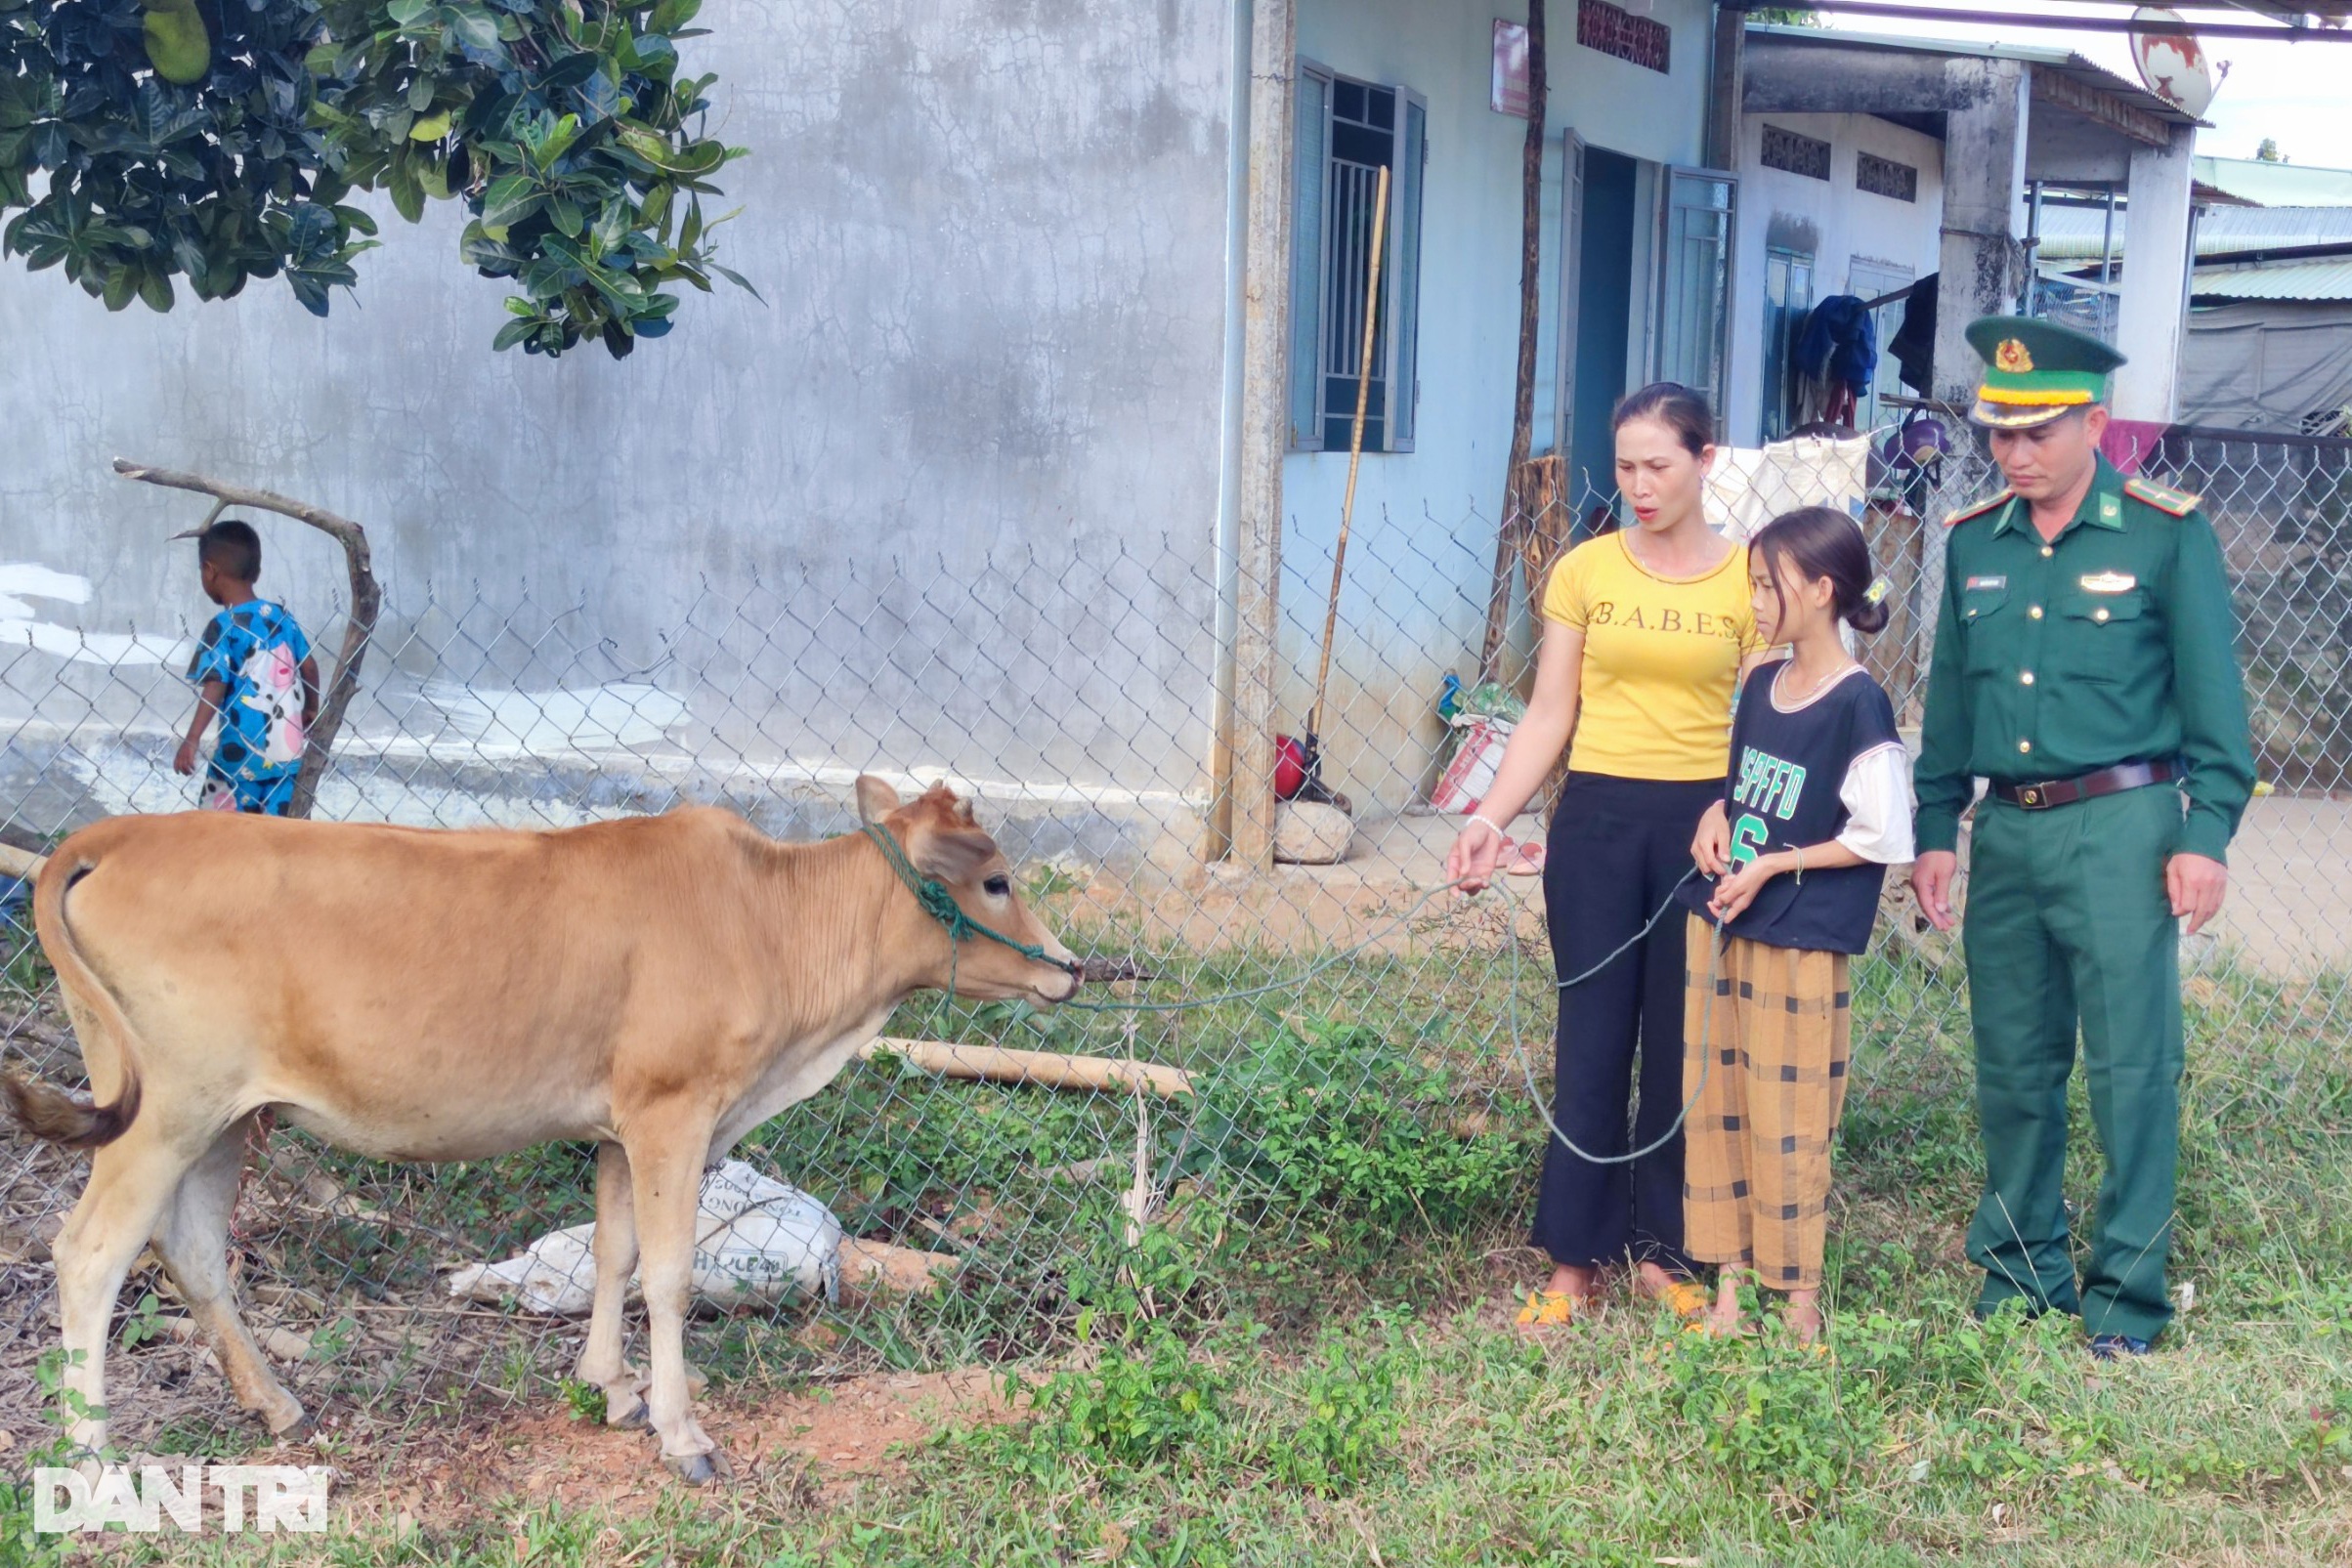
1381	1077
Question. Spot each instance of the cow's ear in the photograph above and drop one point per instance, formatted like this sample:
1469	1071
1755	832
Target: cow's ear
949	854
875	798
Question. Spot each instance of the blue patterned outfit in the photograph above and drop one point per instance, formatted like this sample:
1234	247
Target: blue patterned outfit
255	649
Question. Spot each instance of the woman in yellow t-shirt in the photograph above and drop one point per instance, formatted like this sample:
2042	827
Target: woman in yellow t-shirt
1645	632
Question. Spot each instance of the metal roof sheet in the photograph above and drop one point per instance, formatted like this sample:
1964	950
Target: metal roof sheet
2275	185
2313	277
2073	234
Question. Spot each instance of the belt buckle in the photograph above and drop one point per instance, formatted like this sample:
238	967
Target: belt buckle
2029	797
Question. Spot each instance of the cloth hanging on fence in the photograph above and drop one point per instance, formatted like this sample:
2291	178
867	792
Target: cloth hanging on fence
1913	344
2130	443
1749	486
1839	345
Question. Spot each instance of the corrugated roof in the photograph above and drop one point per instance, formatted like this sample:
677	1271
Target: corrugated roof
2312	277
2276	184
2073	234
2063	61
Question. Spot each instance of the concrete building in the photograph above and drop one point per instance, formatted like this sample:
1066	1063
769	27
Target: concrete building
1869	161
987	456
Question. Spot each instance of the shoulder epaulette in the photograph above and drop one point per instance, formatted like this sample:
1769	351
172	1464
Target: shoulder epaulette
2163	498
1997	498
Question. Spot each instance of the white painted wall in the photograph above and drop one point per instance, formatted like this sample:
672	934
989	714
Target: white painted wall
989	240
1832	219
1421	545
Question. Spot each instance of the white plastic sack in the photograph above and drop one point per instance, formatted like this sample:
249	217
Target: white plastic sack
759	1241
1477	755
1749	486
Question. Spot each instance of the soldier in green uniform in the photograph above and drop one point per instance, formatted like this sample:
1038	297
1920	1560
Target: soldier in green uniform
2083	667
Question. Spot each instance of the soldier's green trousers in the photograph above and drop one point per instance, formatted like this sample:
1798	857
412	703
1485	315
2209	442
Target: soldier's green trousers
2068	922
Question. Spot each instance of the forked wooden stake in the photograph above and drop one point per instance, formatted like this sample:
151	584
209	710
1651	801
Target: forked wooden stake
366	601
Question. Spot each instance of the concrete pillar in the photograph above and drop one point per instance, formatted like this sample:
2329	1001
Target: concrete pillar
1265	433
1983	176
2156	279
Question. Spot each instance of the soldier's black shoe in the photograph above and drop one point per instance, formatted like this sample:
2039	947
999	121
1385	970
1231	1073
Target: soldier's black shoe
2109	1346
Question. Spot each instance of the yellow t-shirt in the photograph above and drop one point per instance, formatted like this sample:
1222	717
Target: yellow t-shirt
1661	661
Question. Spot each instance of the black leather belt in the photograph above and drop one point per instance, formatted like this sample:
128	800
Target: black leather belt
2088	786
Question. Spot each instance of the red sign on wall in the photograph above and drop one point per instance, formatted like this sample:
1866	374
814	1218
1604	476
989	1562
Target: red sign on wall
1617	31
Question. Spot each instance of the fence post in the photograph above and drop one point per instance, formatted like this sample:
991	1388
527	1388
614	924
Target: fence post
1265	436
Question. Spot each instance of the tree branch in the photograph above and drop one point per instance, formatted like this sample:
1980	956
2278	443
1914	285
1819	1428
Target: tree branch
1513	523
366	601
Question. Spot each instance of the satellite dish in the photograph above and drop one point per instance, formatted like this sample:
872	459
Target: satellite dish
2173	64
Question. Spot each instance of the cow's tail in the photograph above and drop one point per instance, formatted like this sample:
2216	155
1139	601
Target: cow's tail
45	1110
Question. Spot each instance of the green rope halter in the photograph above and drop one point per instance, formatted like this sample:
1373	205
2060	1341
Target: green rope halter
938	902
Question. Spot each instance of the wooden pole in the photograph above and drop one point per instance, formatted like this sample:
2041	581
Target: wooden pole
1050	1069
1265	431
1523	414
366	602
1355	444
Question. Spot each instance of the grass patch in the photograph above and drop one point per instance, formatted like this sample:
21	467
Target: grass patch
1304	1359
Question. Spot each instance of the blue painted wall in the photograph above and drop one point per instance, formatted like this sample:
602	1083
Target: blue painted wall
1422	543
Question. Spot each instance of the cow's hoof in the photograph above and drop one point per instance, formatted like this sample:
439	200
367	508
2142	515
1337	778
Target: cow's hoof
631	1417
698	1470
290	1423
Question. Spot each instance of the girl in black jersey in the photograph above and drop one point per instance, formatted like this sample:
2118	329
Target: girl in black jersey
1816	807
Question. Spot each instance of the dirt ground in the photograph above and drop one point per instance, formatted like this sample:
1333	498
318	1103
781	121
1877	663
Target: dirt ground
790	1454
807	1449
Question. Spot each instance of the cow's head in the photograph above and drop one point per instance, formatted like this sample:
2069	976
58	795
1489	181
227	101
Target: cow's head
944	842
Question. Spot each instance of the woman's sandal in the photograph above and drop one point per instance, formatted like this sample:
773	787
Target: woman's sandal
1685	1298
1548	1309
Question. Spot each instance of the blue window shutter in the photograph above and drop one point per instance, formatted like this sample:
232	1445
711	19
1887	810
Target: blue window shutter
1405	392
1310	131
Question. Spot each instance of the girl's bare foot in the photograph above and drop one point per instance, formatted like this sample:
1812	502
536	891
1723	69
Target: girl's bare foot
1655	1283
1802	1316
1722	1321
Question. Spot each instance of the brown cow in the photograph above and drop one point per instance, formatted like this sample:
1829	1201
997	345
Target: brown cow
662	985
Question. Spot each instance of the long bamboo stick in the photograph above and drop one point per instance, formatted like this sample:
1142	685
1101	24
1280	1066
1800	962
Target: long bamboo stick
1355	444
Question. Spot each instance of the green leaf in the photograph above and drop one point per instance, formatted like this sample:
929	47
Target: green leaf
569	72
408	12
432	128
739	280
566	217
407	195
671	14
655	213
514	332
509	200
155	290
472	26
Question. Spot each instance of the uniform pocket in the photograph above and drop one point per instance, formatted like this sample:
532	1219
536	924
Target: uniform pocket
1984	618
2105	636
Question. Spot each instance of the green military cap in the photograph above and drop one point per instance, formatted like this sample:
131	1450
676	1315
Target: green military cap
2036	370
